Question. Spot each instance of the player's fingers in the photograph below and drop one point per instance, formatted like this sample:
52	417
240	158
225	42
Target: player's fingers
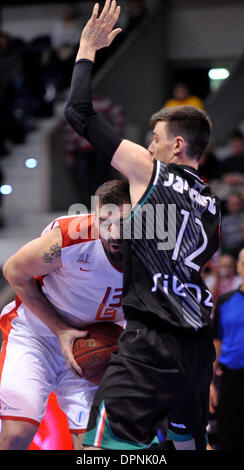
72	364
82	333
115	16
113	34
105	11
112	8
76	369
95	11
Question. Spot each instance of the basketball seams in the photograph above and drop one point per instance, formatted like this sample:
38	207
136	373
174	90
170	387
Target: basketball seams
93	352
111	347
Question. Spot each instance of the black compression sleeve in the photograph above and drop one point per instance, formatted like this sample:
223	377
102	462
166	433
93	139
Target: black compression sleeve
81	115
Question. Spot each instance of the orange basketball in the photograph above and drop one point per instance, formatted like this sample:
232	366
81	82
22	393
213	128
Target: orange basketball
93	352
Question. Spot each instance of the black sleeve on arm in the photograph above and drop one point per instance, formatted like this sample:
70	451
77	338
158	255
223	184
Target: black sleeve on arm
80	114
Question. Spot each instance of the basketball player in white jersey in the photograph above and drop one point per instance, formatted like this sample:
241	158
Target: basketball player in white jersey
67	278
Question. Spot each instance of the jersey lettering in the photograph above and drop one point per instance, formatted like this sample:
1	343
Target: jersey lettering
180	185
173	284
110	303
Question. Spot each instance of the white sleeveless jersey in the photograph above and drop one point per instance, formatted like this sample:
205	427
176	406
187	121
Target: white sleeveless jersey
87	288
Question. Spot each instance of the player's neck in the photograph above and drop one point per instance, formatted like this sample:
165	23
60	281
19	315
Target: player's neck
183	161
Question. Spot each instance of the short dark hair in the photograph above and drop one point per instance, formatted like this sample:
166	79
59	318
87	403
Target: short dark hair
193	124
114	192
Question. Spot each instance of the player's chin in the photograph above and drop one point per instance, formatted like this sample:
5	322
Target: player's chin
115	248
116	258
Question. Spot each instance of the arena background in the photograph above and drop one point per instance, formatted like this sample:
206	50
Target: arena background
175	40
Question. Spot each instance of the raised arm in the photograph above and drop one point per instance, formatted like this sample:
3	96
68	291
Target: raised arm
37	258
129	158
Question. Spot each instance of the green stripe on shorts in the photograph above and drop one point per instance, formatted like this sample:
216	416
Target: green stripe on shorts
110	441
173	436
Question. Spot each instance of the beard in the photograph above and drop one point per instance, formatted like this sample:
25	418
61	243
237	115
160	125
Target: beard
113	250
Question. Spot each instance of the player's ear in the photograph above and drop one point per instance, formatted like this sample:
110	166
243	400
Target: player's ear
179	145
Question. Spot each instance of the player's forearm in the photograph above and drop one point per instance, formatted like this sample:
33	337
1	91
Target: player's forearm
86	51
98	33
29	293
83	118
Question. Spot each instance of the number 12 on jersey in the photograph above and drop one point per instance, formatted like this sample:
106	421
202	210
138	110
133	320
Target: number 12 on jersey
189	259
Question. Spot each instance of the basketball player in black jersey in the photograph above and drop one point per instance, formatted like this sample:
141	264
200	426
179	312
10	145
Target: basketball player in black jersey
164	364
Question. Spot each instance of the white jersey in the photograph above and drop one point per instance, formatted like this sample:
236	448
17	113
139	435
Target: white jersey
87	288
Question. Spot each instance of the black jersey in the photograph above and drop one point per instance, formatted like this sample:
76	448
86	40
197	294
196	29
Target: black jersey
172	232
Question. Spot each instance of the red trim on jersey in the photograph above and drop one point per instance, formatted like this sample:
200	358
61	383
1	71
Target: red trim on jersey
54	222
78	229
20	418
117	269
78	431
39	280
6	327
5	320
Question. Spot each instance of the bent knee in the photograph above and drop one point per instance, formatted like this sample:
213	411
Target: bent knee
17	435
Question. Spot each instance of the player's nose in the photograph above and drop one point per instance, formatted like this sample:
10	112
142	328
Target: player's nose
116	233
151	149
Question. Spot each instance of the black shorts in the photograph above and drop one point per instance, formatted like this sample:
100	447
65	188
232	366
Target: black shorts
155	374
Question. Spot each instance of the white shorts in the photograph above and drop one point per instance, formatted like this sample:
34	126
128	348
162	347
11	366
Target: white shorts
31	367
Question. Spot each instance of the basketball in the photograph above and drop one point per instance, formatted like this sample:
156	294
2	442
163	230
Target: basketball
93	352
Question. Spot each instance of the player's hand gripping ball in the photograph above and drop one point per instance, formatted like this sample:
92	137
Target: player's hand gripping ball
92	353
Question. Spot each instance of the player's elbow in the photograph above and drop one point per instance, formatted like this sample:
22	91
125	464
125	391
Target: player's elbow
6	270
68	112
11	272
76	119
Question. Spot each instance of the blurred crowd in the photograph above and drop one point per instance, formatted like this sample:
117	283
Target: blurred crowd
226	177
35	74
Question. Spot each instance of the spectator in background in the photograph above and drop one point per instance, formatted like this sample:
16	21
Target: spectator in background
66	31
209	167
232	238
11	83
182	97
226	278
11	71
229	345
209	276
232	168
65	39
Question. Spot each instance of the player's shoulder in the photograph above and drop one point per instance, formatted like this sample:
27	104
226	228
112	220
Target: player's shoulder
175	173
76	229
